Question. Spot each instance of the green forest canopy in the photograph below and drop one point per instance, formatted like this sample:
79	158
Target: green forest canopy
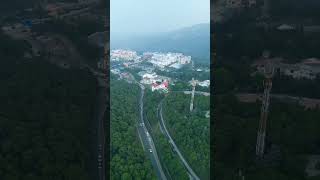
128	159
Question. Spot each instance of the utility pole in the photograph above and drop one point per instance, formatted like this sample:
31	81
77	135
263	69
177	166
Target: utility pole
260	146
193	83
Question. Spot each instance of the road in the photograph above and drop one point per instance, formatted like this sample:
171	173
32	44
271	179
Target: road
189	92
147	141
308	103
185	163
197	92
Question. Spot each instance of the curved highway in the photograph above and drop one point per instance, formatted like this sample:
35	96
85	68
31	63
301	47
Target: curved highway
185	163
147	141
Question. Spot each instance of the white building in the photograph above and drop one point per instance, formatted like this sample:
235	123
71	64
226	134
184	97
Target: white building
205	83
162	60
124	55
115	71
149	76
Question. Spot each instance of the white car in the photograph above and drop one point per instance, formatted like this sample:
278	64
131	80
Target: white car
150	150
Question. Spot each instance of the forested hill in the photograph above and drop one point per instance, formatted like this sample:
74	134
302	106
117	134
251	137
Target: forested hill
128	159
194	41
45	113
190	131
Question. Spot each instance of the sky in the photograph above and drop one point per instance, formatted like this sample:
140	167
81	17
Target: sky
154	16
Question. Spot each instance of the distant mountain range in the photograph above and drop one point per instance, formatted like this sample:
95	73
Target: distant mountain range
194	41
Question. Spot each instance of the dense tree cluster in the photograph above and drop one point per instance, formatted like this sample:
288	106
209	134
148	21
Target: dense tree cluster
292	131
170	160
171	163
295	9
128	159
236	78
78	33
229	76
242	37
45	113
151	101
191	131
303	87
292	134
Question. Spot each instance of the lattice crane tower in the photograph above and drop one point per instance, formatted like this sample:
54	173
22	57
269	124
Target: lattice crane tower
193	83
267	83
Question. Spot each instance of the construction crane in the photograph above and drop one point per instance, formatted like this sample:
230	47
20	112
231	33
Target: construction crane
268	73
193	84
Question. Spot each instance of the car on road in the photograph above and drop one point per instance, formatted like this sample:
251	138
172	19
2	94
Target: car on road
150	150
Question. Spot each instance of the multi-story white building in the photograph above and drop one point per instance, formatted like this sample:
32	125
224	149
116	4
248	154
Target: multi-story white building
164	60
160	60
124	55
205	83
149	76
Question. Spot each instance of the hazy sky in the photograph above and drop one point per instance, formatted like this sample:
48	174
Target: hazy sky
149	16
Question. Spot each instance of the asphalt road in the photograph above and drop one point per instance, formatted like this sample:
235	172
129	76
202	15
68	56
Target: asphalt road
309	103
147	141
196	92
185	163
